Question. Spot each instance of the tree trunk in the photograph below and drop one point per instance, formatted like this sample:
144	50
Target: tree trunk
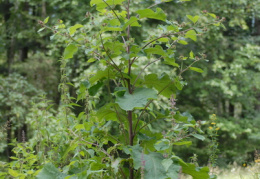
43	9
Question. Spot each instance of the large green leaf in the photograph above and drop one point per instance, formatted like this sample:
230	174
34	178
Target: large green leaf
173	171
50	171
152	162
171	168
195	172
148	13
138	99
153	166
163	82
136	153
70	50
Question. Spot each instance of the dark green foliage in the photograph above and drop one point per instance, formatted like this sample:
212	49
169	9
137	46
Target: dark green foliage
135	87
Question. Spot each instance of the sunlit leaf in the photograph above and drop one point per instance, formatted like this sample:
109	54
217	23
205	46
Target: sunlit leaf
91	60
212	15
46	20
13	173
192	35
41	29
183	42
194	19
191	55
196	69
163	40
183	143
73	29
70	50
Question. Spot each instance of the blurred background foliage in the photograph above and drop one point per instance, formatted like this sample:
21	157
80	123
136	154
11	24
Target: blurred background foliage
229	86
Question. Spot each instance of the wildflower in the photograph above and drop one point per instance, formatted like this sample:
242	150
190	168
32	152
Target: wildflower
213	123
217	128
244	164
213	117
210	127
257	160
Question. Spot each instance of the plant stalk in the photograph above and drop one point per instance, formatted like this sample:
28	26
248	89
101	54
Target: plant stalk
131	141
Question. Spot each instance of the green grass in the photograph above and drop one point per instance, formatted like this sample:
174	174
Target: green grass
238	172
235	171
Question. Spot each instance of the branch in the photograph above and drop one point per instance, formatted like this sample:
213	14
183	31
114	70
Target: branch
157	94
155	4
145	126
182	71
146	106
135	58
114	64
148	64
97	145
102	150
121	123
144	69
128	28
165	35
119	21
149	102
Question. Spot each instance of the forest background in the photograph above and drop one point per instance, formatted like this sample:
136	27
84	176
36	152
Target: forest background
229	86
